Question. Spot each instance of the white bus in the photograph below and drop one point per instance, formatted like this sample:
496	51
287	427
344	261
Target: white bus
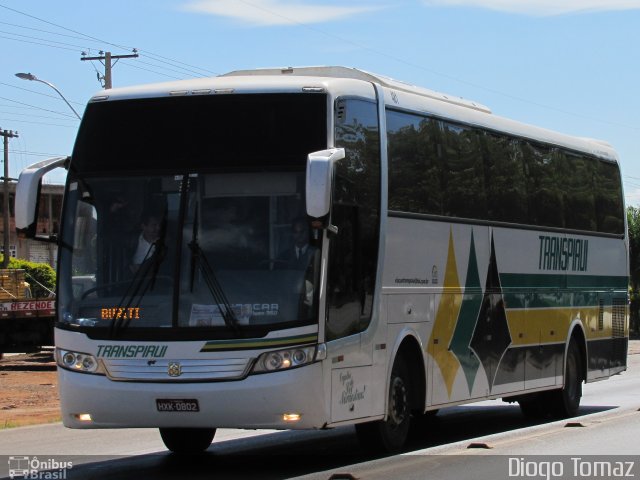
452	256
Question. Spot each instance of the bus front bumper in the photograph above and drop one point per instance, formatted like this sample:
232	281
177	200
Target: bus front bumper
258	401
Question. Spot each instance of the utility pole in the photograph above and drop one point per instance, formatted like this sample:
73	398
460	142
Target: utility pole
106	58
7	134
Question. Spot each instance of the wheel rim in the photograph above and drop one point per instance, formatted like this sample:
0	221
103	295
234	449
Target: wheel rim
398	405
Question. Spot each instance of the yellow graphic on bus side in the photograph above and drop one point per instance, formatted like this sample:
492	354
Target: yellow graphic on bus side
446	319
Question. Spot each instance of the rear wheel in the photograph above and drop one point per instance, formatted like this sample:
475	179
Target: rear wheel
566	402
558	403
390	435
187	440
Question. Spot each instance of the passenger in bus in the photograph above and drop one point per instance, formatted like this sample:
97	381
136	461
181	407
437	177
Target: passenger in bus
300	254
149	235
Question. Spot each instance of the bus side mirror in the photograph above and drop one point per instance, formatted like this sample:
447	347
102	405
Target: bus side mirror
28	195
320	179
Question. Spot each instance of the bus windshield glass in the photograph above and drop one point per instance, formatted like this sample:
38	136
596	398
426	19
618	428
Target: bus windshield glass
208	250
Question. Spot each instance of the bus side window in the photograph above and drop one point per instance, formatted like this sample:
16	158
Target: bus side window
609	199
353	252
544	188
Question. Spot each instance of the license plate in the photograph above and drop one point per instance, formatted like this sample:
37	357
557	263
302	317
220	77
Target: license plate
177	405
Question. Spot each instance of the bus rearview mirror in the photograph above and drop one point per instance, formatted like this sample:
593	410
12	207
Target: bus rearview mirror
28	195
319	180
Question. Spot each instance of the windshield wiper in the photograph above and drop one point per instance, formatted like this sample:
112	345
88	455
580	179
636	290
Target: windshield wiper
199	260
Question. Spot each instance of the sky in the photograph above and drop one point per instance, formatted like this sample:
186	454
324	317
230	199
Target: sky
568	65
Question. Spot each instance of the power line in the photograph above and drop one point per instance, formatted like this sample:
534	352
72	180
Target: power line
149	70
38	43
193	73
34	116
36	93
40	123
64	28
35	154
43	31
177	62
38	108
83	35
25	107
43	39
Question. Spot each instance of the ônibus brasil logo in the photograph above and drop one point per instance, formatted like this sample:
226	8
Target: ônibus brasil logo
35	468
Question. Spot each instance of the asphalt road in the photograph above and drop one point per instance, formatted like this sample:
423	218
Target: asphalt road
473	441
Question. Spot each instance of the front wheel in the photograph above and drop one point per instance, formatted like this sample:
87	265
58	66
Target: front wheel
391	434
187	440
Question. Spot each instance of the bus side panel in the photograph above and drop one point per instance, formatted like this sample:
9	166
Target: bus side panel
505	299
448	263
537	310
603	288
564	278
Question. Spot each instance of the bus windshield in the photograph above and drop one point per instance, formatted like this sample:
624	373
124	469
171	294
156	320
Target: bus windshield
199	250
206	251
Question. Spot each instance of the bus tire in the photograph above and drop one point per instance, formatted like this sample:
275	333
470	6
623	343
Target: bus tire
566	402
187	440
390	435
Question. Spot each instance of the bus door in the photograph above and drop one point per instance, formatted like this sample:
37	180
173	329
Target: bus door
353	258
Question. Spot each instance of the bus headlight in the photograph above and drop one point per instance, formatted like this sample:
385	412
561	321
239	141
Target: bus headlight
78	362
284	359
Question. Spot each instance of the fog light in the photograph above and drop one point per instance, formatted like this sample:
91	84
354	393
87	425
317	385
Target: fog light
83	417
291	417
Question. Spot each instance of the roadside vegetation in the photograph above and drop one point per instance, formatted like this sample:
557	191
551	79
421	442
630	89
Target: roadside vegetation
40	276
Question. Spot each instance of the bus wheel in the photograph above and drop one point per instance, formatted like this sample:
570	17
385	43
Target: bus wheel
391	434
565	402
187	440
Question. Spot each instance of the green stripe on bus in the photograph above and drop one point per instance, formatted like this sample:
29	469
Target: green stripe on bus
218	345
575	299
560	290
528	280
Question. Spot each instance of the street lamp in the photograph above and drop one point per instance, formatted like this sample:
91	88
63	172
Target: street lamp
31	76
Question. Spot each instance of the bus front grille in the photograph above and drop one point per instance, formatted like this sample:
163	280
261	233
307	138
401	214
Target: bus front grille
165	370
